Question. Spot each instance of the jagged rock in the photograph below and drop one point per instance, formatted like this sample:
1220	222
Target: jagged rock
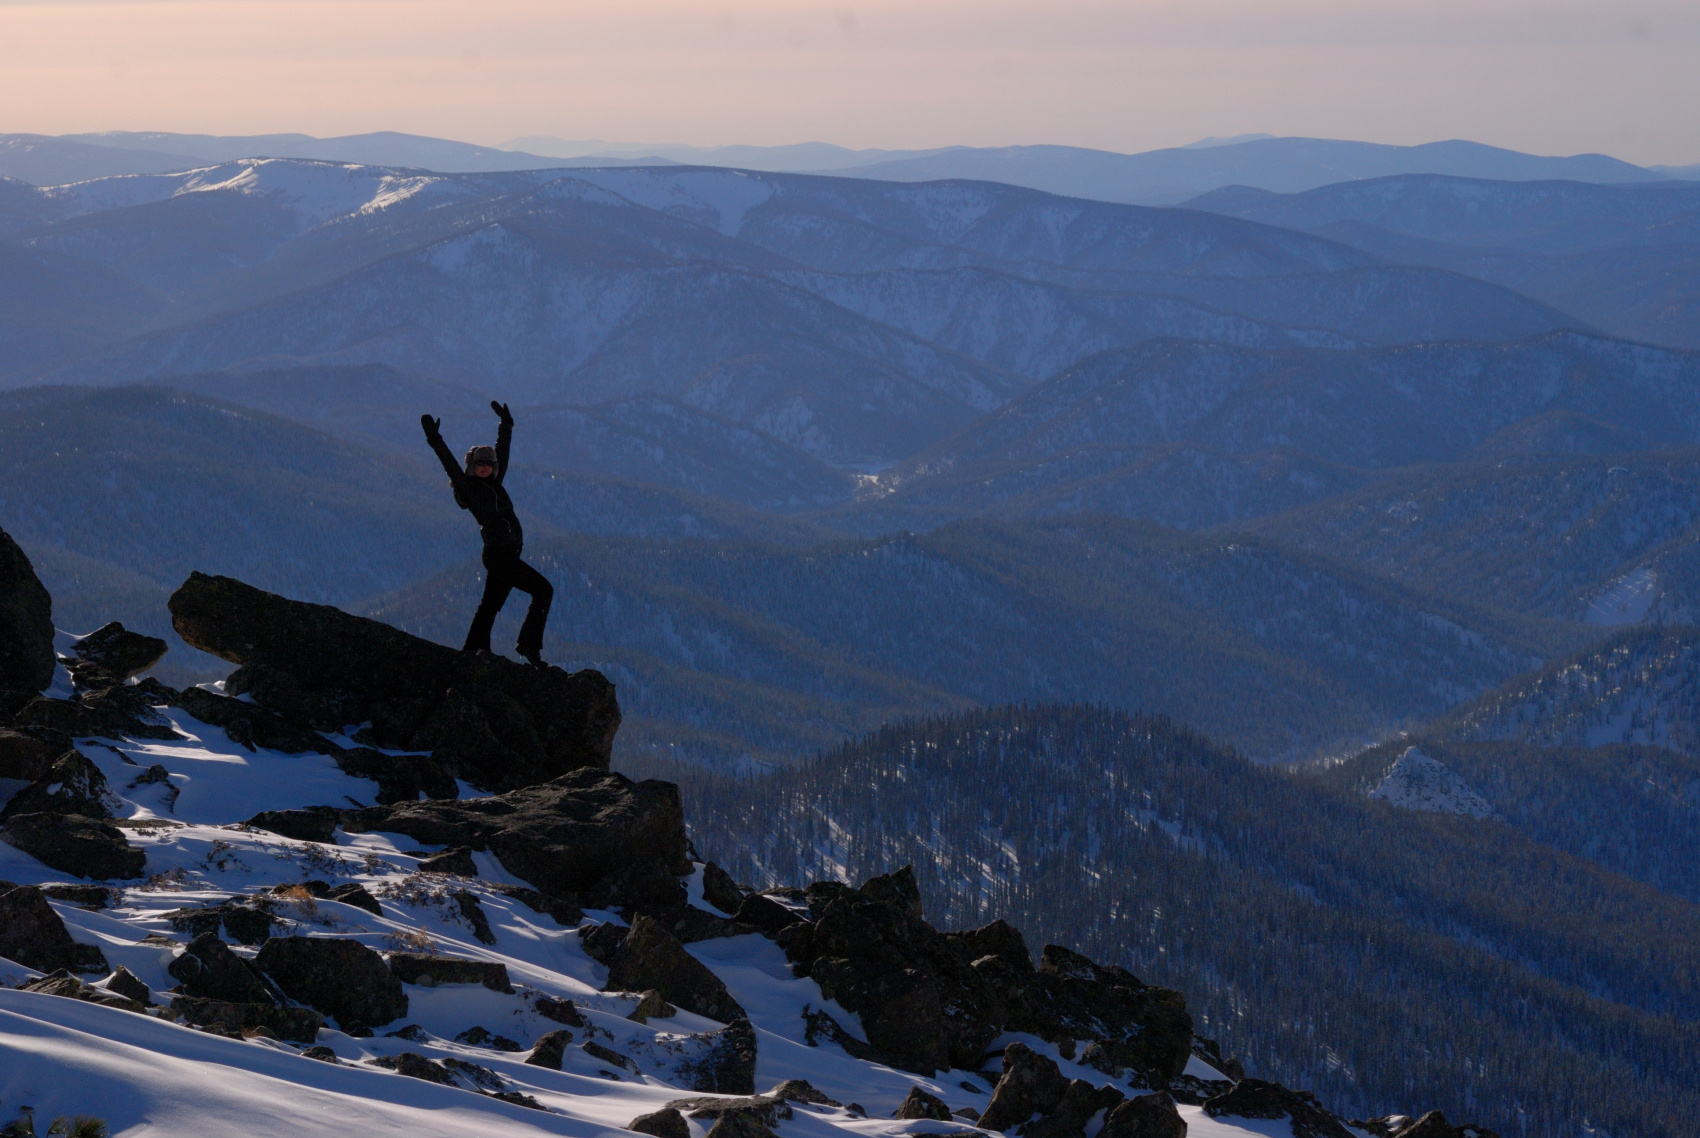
112	654
428	970
1194	1091
920	1104
999	940
85	896
27	755
652	1005
898	888
322	1054
341	978
550	1050
1431	1125
1211	1052
1030	1084
251	726
1145	1116
109	713
719	890
564	837
767	1110
400	778
651	957
1079	1103
308	824
560	1011
357	895
819	1025
1138	1026
127	984
246	923
664	1123
607	1055
26	622
75	844
648	887
1255	1098
457	861
67	986
765	914
690	924
473	914
412	1032
72	785
601	941
498	724
801	1090
564	910
298	1025
484	1037
208	970
726	1064
739	1126
414	1066
32	934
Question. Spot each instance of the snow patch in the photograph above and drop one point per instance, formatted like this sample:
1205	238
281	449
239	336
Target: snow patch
1419	782
1626	600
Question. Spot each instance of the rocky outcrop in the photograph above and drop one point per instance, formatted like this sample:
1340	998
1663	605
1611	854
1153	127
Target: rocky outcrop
26	756
105	713
1145	1116
32	934
67	986
497	724
298	1025
1255	1098
566	837
71	785
429	971
651	957
664	1123
1031	1084
725	1063
208	970
719	890
112	654
920	1104
75	844
341	978
26	623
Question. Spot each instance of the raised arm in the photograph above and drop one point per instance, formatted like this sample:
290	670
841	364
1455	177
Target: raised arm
504	437
434	436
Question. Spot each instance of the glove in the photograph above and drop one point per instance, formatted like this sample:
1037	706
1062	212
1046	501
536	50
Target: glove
502	413
433	427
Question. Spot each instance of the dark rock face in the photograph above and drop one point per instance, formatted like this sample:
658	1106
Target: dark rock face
727	1063
664	1123
112	654
739	1126
72	785
310	824
250	726
75	844
1431	1125
651	957
565	911
766	1109
801	1090
208	970
356	895
245	922
920	1104
67	986
602	941
1254	1098
31	933
497	724
719	890
424	968
127	984
1079	1103
457	861
690	924
560	1011
565	837
108	713
473	914
26	756
26	622
550	1049
1031	1084
341	978
415	1066
85	896
298	1025
1146	1116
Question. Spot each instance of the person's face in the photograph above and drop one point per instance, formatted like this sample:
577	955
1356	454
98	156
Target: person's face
483	469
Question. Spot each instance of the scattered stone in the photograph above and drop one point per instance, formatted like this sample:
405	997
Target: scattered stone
32	934
414	1066
651	957
664	1123
800	1090
26	622
550	1049
563	837
719	890
127	984
519	1099
341	978
457	861
416	967
298	1025
497	723
473	914
112	654
252	726
601	941
208	970
767	1110
727	1062
308	824
1255	1098
560	1011
484	1037
357	895
322	1054
75	844
607	1055
481	1077
247	924
72	785
413	1033
920	1104
1031	1084
1145	1116
652	1004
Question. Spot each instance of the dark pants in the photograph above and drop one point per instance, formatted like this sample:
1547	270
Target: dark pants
503	573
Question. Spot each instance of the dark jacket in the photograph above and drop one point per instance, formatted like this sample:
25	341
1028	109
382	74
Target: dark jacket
485	497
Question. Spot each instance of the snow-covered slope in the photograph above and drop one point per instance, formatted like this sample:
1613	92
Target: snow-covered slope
1416	781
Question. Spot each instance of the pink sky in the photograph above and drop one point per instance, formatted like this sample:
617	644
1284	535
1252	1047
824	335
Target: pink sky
1557	78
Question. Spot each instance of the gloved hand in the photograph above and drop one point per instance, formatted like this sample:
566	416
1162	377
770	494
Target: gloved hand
433	427
502	413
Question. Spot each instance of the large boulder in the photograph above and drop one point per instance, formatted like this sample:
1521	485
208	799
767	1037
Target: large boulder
71	785
498	724
75	844
341	978
1031	1084
566	836
1255	1098
208	970
32	934
26	755
112	654
26	623
650	957
1145	1116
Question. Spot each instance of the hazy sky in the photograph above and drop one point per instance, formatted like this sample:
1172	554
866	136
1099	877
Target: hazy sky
1618	76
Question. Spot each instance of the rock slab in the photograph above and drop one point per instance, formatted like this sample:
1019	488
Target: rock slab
26	623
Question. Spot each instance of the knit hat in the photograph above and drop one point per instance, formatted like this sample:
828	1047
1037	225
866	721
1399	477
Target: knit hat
481	454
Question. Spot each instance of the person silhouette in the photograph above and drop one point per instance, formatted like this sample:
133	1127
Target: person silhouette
478	488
